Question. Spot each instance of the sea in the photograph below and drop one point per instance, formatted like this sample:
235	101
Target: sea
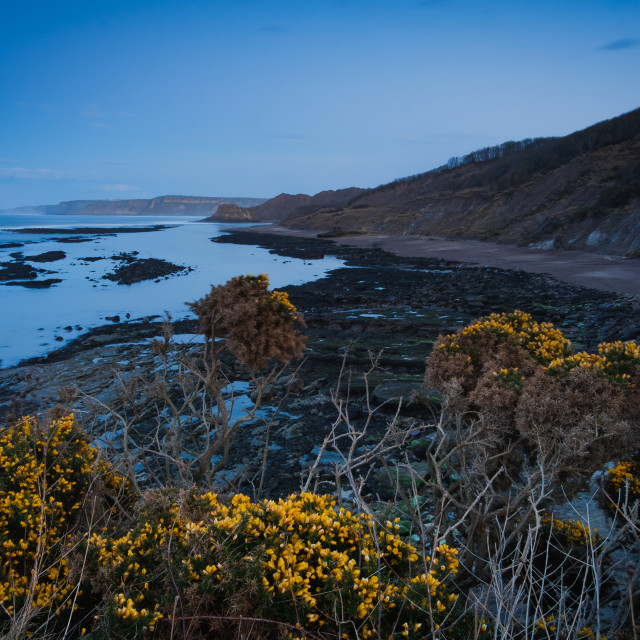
34	322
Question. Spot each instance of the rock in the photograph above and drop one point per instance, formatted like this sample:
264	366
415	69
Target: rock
17	271
137	270
396	391
290	383
48	256
35	284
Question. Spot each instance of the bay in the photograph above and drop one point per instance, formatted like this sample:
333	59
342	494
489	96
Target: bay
36	321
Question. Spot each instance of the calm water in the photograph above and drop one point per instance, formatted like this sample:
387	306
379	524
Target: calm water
32	319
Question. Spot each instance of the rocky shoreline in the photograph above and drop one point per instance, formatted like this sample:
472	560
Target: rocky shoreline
378	307
131	269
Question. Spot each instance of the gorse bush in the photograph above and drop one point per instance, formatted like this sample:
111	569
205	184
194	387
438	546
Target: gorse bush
622	491
257	324
625	477
180	414
48	475
186	560
524	423
532	393
563	556
300	563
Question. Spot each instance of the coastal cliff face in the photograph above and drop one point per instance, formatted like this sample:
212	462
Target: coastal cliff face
578	192
285	205
187	205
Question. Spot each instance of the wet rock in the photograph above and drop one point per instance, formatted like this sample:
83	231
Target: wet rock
74	239
143	269
290	383
17	271
34	284
47	256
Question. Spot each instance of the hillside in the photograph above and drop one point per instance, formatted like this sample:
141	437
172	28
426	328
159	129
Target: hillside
581	191
187	205
286	205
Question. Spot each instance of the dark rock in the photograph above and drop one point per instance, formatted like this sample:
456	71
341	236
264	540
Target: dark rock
393	392
47	256
17	271
144	269
34	284
94	231
73	240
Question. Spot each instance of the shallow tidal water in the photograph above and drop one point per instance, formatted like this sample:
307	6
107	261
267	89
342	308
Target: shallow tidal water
35	321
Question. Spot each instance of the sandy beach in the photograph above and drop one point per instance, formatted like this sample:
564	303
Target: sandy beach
575	267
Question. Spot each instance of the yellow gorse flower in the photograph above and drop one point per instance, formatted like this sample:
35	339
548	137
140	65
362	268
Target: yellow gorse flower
625	476
540	339
305	547
45	472
614	360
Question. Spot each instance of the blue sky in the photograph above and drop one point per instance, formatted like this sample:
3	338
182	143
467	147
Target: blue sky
134	99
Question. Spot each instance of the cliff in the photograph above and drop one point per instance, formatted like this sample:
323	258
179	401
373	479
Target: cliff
169	205
581	191
286	205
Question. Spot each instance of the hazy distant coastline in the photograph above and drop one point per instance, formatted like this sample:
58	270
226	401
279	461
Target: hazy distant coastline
162	205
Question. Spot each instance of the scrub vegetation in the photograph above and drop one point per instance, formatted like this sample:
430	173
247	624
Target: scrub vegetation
100	543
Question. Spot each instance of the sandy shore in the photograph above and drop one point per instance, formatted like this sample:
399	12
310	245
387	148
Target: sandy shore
575	267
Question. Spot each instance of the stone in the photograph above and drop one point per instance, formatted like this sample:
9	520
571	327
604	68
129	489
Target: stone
396	391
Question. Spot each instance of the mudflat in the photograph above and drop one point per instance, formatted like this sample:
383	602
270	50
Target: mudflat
574	267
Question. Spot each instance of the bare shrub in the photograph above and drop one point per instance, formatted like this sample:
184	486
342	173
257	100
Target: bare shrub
174	425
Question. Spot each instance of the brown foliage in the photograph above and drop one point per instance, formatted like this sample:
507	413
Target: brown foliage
580	417
519	433
257	324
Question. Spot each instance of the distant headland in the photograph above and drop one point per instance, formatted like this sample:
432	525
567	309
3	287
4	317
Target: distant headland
162	205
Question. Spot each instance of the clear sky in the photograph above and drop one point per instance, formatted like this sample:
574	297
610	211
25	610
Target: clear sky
135	99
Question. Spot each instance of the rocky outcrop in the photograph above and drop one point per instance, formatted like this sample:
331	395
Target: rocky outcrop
389	309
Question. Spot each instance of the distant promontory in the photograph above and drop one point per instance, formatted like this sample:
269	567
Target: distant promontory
162	205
